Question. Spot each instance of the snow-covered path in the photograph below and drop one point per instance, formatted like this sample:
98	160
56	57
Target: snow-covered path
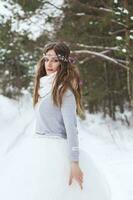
111	153
114	158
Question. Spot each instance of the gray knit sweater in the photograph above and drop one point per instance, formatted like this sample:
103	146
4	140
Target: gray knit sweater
61	122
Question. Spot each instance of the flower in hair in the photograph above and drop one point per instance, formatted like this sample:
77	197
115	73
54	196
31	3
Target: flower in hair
72	60
63	58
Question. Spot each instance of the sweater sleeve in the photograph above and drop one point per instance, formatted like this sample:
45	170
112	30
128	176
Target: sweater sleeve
68	110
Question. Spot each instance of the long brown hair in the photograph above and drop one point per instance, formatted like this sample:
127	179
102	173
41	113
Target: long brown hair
67	77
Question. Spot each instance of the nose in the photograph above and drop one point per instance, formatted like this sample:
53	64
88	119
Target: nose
49	63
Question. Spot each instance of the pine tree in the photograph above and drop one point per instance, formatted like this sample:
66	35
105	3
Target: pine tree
100	34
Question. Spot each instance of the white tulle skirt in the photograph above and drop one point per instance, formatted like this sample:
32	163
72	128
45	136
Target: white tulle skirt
38	168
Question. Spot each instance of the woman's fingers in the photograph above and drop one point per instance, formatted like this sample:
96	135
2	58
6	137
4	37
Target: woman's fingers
80	183
77	177
81	178
70	180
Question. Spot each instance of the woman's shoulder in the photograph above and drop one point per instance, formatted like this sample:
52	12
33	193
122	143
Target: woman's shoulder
69	94
69	99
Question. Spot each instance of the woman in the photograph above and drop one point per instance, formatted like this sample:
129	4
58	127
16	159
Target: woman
55	63
48	164
58	162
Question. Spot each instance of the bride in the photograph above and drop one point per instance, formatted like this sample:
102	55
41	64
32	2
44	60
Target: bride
62	170
51	165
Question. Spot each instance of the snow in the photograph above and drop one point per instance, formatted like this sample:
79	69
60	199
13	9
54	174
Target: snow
118	37
109	143
124	50
18	116
131	37
8	9
116	1
112	154
122	9
33	25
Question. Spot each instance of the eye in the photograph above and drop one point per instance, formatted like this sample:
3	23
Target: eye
56	60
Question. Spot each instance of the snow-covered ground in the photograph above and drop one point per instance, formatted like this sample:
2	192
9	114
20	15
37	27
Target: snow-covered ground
108	143
111	146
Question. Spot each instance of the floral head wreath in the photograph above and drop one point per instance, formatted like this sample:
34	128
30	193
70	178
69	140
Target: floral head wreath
70	59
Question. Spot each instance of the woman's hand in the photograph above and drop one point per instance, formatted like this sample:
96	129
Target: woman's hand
76	173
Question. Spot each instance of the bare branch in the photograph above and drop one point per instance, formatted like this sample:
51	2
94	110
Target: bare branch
47	2
120	23
93	56
123	61
118	31
106	10
86	8
98	47
101	56
99	9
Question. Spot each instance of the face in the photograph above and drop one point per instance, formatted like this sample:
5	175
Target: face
51	62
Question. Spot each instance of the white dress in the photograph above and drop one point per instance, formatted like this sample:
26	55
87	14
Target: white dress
52	172
38	168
